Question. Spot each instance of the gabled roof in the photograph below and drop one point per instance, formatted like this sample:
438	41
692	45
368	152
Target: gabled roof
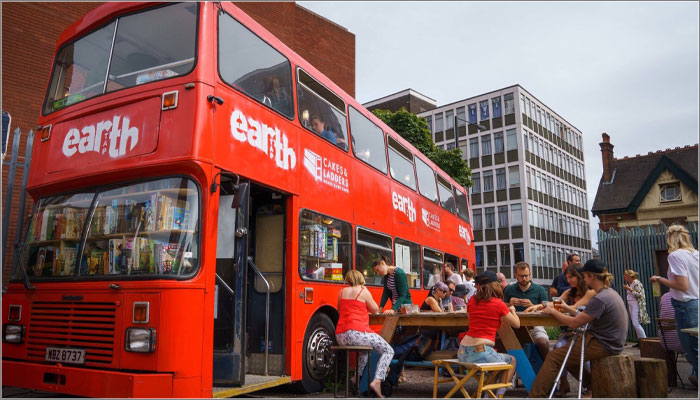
633	177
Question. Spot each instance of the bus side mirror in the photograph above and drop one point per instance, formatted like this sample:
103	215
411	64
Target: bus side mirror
240	194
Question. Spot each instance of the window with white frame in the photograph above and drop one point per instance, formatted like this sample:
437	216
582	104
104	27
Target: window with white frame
670	192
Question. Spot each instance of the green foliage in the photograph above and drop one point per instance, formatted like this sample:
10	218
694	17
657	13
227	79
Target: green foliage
415	130
552	332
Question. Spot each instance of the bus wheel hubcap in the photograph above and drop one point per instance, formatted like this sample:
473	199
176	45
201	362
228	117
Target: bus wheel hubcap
319	356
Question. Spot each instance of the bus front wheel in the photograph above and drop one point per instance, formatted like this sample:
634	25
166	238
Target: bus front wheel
317	355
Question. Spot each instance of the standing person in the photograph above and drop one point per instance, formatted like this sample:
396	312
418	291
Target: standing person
394	282
560	284
636	303
502	280
524	294
469	283
487	312
451	275
354	303
434	300
683	284
606	317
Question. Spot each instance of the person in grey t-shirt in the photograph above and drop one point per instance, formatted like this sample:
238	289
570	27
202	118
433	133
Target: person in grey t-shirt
606	317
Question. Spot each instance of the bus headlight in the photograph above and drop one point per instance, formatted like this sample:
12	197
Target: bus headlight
140	340
12	333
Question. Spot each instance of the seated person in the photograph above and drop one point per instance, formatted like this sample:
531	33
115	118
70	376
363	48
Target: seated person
451	301
459	296
606	317
319	127
434	300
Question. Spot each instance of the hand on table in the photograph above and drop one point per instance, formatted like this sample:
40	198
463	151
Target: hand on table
389	311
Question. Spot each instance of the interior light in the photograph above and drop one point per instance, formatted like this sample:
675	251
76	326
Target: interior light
305	115
169	100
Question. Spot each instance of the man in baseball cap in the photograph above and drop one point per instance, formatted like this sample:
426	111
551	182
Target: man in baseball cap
606	317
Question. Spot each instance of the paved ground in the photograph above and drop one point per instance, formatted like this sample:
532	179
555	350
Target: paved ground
419	385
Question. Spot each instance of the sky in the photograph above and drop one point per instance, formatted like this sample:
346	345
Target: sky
626	68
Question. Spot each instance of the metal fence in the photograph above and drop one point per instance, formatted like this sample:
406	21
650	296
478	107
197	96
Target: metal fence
636	248
13	163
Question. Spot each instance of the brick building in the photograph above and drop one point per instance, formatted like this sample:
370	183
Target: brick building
659	187
29	35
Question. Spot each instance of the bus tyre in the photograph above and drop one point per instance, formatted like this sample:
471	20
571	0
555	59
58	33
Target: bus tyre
317	356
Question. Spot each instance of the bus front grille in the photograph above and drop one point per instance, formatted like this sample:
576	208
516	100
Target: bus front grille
80	325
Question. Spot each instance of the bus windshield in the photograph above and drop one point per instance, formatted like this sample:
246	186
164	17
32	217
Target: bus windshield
126	52
145	229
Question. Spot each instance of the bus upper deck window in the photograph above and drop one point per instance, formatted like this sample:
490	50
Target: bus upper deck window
263	73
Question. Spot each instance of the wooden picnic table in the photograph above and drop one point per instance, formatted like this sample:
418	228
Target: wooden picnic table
693	331
512	338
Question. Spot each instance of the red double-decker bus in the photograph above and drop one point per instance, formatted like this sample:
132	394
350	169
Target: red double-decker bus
200	192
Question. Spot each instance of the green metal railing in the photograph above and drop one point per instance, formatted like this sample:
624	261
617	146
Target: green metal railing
638	248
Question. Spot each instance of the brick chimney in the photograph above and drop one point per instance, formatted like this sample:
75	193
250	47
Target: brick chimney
606	149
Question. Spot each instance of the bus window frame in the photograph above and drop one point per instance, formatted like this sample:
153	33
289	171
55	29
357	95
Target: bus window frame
371	245
401	149
344	111
441	262
420	258
437	193
352	258
386	155
76	277
106	23
451	190
230	85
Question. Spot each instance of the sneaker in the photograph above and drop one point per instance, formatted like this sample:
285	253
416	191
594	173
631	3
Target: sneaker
693	379
636	345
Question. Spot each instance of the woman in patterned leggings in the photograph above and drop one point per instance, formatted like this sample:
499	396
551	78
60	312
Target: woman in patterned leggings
354	303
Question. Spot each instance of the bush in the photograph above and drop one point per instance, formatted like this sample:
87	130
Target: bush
553	332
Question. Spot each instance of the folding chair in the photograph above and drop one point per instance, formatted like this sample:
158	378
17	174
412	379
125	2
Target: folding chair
476	371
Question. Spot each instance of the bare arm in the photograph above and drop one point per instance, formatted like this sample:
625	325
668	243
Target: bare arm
511	318
680	283
372	306
572	322
434	306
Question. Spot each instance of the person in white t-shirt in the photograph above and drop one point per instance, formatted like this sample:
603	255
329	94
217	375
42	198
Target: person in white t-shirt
683	284
451	275
469	283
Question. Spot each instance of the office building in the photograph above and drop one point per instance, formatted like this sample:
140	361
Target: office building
529	198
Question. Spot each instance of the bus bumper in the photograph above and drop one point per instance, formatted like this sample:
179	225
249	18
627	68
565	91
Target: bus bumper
85	382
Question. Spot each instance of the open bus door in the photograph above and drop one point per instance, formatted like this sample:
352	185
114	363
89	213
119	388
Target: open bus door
231	277
250	309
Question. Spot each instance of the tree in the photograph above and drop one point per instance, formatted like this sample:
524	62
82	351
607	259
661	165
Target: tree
415	129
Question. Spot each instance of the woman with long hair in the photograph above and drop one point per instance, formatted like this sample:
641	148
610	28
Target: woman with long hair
683	284
578	294
394	282
487	312
636	302
354	305
434	300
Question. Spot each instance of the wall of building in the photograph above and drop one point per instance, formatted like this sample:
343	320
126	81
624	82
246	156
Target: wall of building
29	35
652	211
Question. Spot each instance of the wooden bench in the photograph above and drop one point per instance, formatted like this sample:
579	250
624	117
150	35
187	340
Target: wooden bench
476	371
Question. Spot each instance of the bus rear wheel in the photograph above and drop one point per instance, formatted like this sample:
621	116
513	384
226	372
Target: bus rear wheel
318	358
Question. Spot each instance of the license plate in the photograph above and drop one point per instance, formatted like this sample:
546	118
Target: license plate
71	356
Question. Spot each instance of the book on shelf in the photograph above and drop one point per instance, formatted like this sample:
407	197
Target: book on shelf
46	261
166	257
96	261
68	260
115	256
44	224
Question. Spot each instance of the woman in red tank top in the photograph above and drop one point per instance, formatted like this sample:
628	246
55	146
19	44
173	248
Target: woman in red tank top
354	305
